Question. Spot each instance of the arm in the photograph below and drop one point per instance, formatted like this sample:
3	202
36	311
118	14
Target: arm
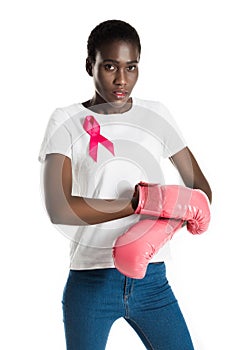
65	209
189	202
190	171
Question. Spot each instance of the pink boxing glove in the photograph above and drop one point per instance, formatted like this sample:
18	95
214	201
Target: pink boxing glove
134	249
177	202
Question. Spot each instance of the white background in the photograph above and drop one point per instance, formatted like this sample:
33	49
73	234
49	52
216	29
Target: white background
187	63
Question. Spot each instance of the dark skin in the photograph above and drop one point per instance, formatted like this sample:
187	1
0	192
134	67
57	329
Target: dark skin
115	73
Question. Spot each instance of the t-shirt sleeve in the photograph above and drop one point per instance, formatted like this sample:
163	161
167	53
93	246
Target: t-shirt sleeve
173	139
57	138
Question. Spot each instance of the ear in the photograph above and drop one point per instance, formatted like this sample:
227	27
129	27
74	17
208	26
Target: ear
89	67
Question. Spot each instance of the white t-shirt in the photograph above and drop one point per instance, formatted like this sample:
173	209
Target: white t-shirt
141	137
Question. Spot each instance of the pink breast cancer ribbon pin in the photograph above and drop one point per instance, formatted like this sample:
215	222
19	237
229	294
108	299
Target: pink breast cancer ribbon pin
92	127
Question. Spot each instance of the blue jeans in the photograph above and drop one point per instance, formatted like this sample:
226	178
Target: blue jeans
94	299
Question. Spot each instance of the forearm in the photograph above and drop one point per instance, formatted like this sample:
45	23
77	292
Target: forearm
88	211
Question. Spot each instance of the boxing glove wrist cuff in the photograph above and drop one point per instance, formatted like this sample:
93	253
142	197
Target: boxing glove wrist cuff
140	189
141	200
149	199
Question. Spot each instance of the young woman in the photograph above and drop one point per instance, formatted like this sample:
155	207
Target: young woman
94	153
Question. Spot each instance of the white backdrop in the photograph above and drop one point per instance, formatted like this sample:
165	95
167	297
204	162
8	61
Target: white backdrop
187	63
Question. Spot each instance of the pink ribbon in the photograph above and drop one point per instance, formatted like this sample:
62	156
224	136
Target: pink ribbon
92	127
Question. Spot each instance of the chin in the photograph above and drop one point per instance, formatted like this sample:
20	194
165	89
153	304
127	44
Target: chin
118	103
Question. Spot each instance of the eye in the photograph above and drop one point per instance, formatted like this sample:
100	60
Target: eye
109	67
132	68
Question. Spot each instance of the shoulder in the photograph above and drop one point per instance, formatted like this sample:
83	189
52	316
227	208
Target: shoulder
155	106
61	114
160	114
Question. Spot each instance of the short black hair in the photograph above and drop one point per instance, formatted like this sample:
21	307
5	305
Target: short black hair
109	31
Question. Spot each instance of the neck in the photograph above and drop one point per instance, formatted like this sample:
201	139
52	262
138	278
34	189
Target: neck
107	108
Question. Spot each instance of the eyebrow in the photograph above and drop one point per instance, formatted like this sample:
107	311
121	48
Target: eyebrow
117	62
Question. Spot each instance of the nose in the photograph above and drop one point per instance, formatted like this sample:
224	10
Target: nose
120	77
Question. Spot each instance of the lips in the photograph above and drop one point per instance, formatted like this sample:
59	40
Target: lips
120	93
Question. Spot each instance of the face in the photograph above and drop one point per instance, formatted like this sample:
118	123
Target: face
115	74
